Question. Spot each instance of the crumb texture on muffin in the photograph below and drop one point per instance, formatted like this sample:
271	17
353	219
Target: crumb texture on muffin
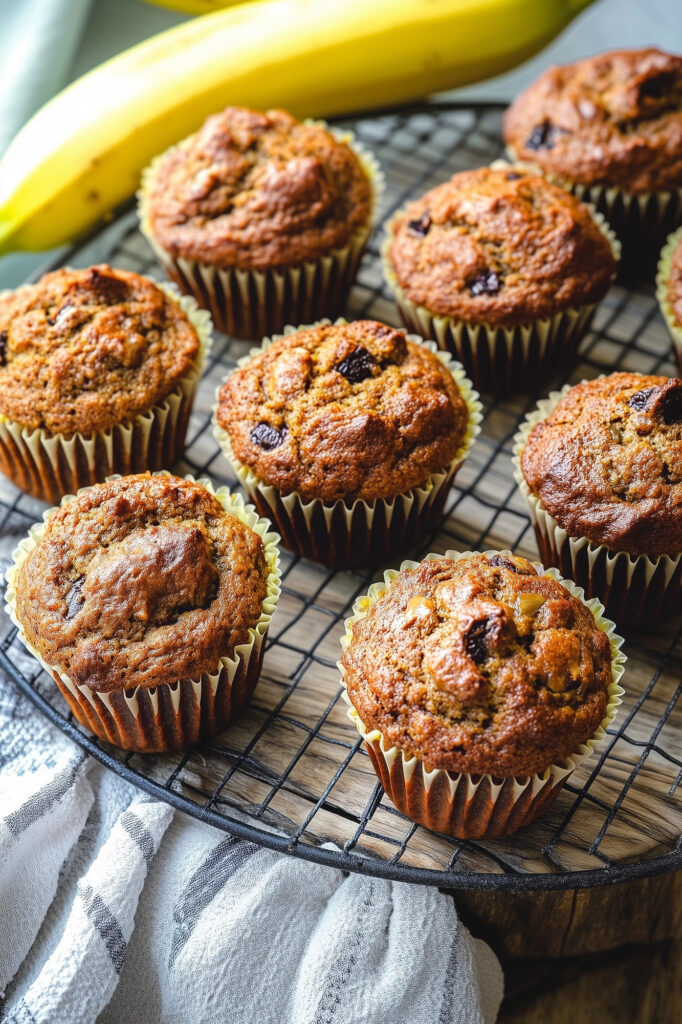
500	246
613	119
607	463
344	411
480	666
84	350
142	581
257	191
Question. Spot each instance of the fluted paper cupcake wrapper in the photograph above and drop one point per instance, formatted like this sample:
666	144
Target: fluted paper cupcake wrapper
252	303
640	220
662	283
342	535
49	466
635	591
174	715
458	803
501	361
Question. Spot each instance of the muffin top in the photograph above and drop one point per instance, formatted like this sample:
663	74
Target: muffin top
479	665
255	190
141	581
613	119
675	283
499	246
344	411
83	350
607	463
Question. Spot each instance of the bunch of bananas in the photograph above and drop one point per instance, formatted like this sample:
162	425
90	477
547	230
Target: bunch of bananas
81	155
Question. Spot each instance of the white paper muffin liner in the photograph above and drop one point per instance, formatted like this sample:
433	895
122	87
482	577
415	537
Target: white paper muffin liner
342	535
501	361
662	282
49	466
170	716
636	591
252	303
461	804
641	220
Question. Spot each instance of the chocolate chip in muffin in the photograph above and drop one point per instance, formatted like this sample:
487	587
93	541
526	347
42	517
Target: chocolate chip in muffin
544	136
641	399
664	401
508	563
358	365
3	347
476	640
657	87
485	283
266	437
513	176
420	226
74	600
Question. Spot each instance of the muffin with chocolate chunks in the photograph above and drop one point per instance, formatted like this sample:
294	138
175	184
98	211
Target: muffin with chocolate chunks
601	467
502	268
477	667
98	370
347	436
609	128
148	599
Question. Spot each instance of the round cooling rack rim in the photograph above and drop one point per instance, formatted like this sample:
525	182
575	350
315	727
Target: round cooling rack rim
412	169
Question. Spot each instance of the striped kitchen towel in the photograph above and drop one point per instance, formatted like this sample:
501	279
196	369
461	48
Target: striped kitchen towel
114	910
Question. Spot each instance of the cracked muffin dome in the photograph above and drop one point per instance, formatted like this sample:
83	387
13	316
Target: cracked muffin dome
141	581
499	246
613	119
343	411
607	463
84	350
257	190
479	665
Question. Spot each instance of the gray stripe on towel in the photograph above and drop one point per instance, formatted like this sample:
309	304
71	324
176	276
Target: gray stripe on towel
106	924
41	802
204	885
140	835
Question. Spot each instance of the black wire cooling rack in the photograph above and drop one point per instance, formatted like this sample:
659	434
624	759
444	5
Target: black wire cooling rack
291	774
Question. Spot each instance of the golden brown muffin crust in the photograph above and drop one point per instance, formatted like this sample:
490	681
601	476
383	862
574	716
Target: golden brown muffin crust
141	581
480	666
256	190
675	283
613	119
84	350
607	463
500	246
344	411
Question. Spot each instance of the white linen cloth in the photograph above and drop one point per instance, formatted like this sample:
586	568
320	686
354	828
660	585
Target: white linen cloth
115	910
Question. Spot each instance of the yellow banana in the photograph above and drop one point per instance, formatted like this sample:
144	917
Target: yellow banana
194	6
81	154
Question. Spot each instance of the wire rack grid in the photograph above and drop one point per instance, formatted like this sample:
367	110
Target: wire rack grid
291	774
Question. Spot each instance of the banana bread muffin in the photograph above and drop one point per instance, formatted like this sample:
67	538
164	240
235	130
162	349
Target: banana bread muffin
601	467
607	463
145	583
345	413
477	667
613	119
492	250
259	192
84	353
610	127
